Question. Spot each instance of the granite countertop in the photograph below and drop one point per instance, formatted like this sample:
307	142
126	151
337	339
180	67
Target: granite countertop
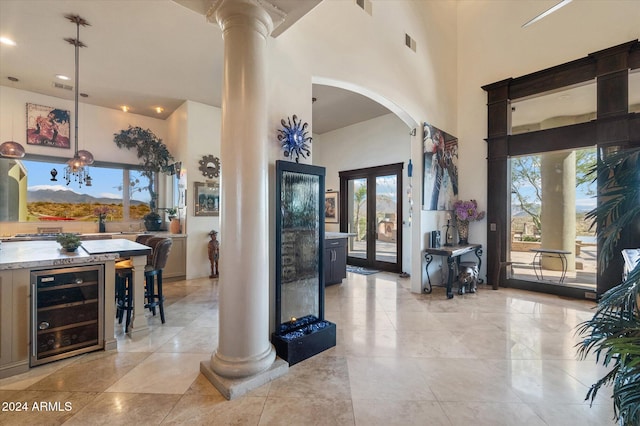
337	235
89	236
35	254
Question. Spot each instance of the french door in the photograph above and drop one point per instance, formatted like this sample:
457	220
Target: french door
373	214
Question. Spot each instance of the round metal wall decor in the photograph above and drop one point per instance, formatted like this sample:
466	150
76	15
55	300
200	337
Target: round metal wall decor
210	166
293	137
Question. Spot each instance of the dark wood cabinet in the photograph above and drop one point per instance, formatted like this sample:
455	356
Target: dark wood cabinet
335	260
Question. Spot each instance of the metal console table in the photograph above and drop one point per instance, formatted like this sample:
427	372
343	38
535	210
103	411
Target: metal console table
542	252
453	254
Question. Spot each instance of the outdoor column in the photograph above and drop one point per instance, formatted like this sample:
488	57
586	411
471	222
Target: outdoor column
245	357
558	218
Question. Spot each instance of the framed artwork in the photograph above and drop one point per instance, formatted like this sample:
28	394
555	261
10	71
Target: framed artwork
440	173
48	126
331	207
206	198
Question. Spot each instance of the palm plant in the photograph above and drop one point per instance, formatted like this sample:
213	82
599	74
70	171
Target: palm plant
613	333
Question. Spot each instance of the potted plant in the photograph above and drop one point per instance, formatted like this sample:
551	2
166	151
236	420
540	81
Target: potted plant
155	158
69	242
613	333
172	212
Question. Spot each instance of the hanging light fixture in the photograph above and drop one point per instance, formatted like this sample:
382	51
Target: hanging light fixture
76	168
11	149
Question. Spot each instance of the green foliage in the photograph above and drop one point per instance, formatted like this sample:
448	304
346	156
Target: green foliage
613	333
69	241
151	151
526	178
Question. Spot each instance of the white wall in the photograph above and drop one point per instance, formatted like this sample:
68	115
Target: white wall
96	126
96	129
195	131
492	46
376	142
338	43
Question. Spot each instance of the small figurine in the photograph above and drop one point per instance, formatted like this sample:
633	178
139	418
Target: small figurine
214	254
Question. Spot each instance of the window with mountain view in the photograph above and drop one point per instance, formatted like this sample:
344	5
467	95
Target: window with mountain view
30	192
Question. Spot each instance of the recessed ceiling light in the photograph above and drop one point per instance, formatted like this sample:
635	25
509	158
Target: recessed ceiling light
159	110
7	41
124	108
62	77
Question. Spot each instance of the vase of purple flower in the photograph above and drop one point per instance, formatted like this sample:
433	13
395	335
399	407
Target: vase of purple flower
466	211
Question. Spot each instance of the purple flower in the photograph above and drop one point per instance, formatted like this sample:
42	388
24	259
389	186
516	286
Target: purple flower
467	210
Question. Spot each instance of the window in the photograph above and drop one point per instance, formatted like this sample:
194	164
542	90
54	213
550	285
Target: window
31	191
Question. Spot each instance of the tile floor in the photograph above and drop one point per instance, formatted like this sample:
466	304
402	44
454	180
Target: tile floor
501	357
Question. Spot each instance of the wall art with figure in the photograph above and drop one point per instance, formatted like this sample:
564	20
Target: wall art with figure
47	126
440	174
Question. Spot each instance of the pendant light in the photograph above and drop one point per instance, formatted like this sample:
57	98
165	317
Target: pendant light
76	168
11	149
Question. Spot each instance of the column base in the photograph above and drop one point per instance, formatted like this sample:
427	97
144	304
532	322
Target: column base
234	388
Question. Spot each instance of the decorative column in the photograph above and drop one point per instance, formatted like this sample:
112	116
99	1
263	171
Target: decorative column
558	171
245	358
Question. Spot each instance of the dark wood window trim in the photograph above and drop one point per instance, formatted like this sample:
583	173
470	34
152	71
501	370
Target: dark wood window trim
613	125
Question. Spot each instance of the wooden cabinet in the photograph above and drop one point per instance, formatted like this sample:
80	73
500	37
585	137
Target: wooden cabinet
14	322
335	260
176	267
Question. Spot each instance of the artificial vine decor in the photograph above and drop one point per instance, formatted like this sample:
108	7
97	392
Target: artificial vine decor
155	157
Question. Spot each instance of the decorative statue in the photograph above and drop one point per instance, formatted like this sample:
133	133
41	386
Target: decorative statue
214	254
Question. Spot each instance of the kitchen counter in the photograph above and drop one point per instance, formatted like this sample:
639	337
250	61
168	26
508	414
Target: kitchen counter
20	258
39	254
90	236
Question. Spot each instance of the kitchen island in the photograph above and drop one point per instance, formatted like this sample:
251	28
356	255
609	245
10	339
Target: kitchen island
20	261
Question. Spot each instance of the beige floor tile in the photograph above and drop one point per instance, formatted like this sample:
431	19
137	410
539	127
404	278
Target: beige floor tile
575	414
307	411
170	373
215	410
492	414
125	409
396	379
318	377
468	380
401	413
43	407
504	357
192	339
91	374
147	343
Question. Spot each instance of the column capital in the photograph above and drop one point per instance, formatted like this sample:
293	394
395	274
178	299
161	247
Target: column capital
261	15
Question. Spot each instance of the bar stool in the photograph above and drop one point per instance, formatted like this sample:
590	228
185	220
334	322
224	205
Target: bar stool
160	248
124	295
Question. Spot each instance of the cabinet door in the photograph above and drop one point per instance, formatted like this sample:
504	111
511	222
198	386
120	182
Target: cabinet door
340	262
176	266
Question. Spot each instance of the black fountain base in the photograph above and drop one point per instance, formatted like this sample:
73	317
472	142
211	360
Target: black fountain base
303	338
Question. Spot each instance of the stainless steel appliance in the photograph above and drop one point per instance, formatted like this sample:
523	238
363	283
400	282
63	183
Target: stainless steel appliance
67	312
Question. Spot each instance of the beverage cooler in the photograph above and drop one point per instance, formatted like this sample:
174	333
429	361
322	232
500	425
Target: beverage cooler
67	311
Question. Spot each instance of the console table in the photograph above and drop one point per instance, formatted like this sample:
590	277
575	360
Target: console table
453	254
542	252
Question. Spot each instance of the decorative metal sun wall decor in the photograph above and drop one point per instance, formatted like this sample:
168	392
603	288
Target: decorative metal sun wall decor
294	139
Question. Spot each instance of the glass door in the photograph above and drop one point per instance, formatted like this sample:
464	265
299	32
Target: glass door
551	240
373	200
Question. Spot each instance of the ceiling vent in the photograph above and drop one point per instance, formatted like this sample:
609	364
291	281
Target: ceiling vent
365	5
409	42
62	86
